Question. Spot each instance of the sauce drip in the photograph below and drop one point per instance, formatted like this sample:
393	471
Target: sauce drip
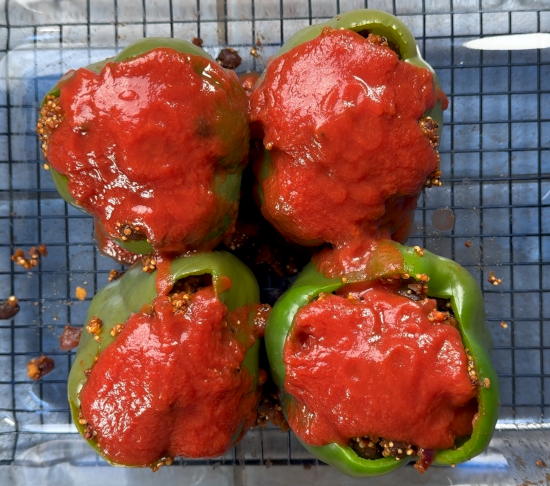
148	141
377	366
172	384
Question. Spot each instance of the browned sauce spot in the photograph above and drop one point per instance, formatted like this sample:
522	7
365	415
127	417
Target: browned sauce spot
443	219
197	41
229	58
9	308
70	337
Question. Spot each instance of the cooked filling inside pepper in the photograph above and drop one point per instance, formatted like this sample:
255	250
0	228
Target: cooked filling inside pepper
173	382
380	371
110	248
344	123
147	145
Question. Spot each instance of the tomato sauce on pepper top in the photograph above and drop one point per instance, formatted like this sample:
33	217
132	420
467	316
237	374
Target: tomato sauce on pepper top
172	383
148	142
347	155
377	364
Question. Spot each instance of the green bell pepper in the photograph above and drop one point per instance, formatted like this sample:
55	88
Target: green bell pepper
227	180
448	280
118	300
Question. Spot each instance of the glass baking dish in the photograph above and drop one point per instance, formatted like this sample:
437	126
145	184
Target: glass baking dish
494	157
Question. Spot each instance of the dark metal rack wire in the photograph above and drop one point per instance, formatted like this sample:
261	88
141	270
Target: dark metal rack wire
494	156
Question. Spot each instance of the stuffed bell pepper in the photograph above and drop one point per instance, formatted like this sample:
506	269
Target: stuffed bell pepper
393	367
152	143
159	375
350	115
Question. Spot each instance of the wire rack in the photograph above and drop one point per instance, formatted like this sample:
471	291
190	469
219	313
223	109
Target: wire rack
493	156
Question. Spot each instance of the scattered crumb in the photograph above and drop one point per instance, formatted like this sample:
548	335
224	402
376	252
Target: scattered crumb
268	463
503	325
94	327
422	277
80	293
254	52
229	58
419	251
117	329
163	462
468	244
540	463
486	383
197	41
344	280
114	275
9	308
493	278
31	261
39	367
70	337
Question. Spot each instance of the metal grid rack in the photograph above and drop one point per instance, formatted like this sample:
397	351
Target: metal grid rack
493	155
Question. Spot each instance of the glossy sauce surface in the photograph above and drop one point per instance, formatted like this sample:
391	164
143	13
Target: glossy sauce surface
377	367
340	120
172	384
147	140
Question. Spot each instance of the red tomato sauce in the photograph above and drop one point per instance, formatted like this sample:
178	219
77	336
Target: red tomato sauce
361	259
377	367
172	384
146	141
340	117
